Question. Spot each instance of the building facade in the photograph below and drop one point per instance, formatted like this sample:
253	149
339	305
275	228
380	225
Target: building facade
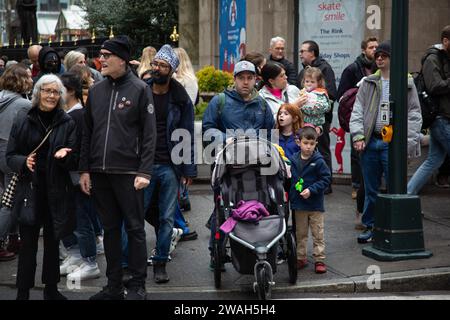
200	31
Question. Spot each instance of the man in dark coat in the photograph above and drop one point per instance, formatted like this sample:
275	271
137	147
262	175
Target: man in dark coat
174	117
277	54
363	66
117	153
436	74
310	56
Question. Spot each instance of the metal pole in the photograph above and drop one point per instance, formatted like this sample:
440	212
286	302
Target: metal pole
398	152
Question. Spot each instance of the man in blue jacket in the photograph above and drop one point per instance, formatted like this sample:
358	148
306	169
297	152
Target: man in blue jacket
174	114
240	109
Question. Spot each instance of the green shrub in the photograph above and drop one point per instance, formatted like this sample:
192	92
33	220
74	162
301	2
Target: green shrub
200	110
212	80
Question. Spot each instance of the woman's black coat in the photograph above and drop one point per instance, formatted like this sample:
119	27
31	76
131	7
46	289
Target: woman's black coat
26	135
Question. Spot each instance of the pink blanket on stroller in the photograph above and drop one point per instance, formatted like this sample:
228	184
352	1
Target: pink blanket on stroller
251	211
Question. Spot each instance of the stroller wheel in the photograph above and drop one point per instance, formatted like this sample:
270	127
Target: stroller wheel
218	263
263	285
291	255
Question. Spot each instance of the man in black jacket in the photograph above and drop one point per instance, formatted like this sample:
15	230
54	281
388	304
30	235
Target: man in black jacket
351	76
118	148
310	56
436	74
277	53
174	121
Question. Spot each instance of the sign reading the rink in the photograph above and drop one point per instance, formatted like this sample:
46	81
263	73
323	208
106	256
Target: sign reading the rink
338	28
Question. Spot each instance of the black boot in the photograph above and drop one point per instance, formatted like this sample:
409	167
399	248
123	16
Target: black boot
51	293
159	272
23	294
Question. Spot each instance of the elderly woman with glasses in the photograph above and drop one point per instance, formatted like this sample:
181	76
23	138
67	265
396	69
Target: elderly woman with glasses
47	170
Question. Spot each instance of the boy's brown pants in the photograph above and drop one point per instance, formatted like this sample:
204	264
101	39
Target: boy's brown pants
305	220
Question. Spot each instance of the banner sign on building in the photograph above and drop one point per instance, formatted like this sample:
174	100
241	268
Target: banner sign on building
232	30
338	28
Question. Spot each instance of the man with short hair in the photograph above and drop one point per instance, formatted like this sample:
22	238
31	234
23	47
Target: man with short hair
278	54
351	76
174	112
436	73
371	113
310	56
33	55
240	109
117	152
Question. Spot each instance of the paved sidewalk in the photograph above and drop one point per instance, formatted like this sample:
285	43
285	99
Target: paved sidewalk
348	269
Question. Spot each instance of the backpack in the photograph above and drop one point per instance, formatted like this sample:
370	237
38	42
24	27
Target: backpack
222	104
346	107
428	104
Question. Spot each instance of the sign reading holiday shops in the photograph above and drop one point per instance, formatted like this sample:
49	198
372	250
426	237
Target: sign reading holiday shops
232	25
338	28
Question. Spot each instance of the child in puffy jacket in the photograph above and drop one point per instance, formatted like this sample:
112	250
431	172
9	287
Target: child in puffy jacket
318	103
310	178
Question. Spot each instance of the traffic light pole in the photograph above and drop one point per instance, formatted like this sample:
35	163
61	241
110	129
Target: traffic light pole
398	230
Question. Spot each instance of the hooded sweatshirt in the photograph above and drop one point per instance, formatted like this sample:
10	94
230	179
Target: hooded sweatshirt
436	73
46	55
11	103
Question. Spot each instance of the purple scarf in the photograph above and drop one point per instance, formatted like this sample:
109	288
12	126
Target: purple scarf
251	211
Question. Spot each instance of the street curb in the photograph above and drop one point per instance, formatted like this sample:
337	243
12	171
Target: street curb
435	279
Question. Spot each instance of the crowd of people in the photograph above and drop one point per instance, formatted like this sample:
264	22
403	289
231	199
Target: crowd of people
92	146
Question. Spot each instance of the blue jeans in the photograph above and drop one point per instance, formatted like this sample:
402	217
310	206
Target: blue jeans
84	236
164	176
179	221
85	231
124	247
439	149
374	162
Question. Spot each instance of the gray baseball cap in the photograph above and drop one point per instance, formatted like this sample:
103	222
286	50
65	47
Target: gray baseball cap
244	66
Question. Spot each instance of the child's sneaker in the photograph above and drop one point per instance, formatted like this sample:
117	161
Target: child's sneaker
320	268
301	264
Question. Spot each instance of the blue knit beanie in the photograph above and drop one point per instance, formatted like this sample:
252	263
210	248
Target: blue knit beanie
167	54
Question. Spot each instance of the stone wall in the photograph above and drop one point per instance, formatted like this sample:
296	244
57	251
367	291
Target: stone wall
268	18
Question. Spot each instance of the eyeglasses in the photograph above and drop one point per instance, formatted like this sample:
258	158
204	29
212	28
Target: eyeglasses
382	56
105	55
303	51
50	92
159	65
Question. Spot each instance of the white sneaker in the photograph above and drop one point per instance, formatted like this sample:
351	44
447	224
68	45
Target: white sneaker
69	265
176	236
84	272
62	252
152	254
100	248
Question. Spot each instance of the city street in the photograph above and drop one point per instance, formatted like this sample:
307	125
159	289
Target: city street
349	272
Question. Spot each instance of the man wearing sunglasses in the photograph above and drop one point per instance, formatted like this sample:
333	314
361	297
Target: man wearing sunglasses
118	149
371	113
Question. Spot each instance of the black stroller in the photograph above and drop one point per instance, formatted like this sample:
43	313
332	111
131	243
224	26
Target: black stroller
252	169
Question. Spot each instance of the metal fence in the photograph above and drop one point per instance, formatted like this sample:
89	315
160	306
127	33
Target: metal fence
19	52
